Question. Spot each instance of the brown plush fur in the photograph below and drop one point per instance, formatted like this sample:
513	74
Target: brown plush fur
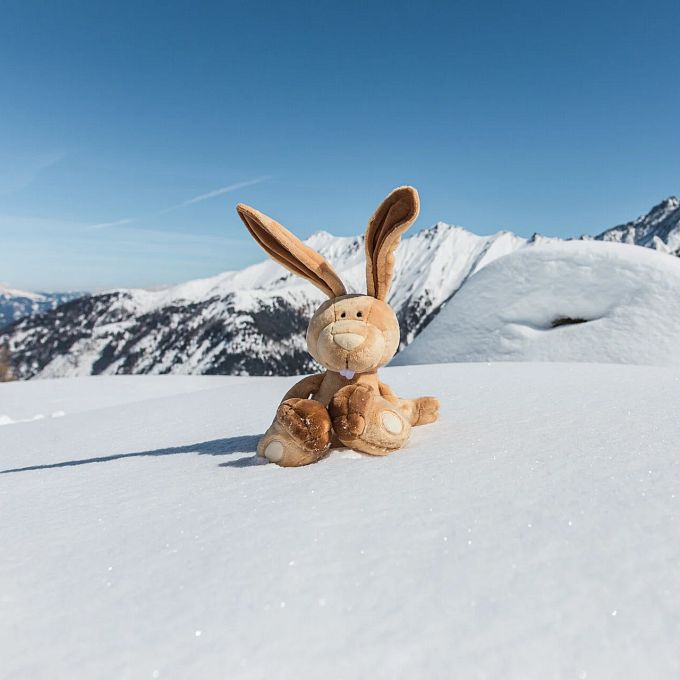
351	336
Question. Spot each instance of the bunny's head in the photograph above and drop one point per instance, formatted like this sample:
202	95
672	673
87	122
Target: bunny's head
349	333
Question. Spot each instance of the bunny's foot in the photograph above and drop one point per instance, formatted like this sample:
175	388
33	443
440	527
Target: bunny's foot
365	421
420	411
299	435
428	410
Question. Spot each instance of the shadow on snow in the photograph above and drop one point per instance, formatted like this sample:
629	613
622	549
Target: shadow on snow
216	447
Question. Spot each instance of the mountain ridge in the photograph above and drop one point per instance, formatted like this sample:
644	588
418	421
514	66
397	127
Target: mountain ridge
658	229
253	321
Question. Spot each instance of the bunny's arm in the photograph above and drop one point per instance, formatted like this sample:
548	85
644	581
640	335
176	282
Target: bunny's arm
418	411
305	387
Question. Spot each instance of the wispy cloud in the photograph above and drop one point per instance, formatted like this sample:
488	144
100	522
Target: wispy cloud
32	230
105	225
191	201
217	192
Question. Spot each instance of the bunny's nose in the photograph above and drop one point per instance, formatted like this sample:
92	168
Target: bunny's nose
348	341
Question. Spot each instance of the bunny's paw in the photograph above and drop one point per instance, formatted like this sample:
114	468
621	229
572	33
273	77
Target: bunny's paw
365	421
348	411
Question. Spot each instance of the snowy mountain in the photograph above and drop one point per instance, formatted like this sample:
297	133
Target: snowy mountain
253	321
658	229
18	304
580	301
245	322
531	533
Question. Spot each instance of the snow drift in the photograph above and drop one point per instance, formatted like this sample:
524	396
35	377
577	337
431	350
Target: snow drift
531	533
573	301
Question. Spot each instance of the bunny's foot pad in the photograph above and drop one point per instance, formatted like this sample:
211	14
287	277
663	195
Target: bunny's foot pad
364	421
299	435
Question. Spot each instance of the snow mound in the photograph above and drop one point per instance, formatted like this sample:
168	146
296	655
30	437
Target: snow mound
573	301
531	533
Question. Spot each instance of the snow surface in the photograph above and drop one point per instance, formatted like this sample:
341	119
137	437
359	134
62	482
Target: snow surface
531	533
72	395
629	298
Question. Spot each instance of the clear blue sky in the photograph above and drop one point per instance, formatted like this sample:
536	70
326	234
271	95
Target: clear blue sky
558	117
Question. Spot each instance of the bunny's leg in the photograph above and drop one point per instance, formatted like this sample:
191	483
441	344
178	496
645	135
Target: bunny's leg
301	431
365	421
299	435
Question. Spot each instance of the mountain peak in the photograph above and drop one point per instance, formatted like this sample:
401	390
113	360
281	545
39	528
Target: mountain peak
666	206
658	229
319	239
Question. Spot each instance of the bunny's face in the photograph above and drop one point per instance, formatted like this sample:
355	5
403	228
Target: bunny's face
353	334
349	333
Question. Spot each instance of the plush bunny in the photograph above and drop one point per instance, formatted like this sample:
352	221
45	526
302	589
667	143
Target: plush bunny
351	336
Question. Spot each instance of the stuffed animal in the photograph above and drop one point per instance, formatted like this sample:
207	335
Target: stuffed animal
351	336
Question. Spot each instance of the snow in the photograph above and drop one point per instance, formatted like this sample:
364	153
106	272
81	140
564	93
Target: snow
72	395
629	298
531	533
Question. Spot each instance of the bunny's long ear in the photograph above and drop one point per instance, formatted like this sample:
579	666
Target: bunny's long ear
392	218
289	251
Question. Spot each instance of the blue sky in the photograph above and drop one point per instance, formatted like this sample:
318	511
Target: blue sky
531	116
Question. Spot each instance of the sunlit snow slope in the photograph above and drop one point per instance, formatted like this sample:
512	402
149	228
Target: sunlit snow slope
561	301
531	533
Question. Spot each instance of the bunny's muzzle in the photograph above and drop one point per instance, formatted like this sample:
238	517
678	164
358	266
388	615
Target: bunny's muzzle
348	341
349	334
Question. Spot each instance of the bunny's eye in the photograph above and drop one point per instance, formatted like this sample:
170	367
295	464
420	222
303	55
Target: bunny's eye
343	315
360	314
